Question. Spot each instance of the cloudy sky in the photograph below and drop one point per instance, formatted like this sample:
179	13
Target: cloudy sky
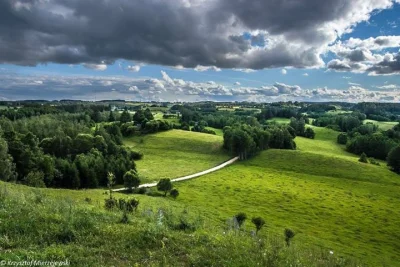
193	50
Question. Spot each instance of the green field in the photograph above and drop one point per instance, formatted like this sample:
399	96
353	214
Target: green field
384	125
279	120
176	153
320	191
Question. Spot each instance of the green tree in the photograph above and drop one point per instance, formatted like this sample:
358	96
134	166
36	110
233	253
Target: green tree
125	116
131	180
309	133
35	179
164	185
289	234
258	223
394	159
110	182
7	168
148	115
240	218
363	158
139	116
111	117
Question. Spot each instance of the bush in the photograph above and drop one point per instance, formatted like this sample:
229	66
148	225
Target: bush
35	179
240	218
174	193
110	203
309	133
363	158
374	162
128	206
258	223
342	138
136	155
289	234
142	190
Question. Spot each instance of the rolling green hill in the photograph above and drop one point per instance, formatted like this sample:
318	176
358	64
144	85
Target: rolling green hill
333	203
320	191
177	153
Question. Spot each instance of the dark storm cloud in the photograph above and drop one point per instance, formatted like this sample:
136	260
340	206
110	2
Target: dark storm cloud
180	32
389	65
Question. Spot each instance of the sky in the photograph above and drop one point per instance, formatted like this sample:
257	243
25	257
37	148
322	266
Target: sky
200	50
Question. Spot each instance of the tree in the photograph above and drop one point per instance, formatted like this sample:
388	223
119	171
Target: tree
35	179
125	116
110	182
240	218
289	234
174	193
363	158
148	115
394	159
164	185
139	116
111	117
131	180
7	167
342	138
258	223
309	133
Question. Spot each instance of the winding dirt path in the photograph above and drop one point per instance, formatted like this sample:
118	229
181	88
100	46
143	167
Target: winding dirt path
188	177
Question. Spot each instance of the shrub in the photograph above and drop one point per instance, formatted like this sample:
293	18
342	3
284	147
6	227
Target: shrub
373	161
142	190
174	193
258	223
240	218
363	158
110	203
289	234
125	218
309	133
136	155
35	179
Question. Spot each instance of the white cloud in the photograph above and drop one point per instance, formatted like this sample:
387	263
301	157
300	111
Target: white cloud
133	68
99	67
206	68
305	74
245	70
237	83
283	71
355	84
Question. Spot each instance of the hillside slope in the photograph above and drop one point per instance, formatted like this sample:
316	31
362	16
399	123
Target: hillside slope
320	191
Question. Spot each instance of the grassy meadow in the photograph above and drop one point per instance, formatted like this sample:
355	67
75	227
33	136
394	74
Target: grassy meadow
384	125
320	191
279	120
176	153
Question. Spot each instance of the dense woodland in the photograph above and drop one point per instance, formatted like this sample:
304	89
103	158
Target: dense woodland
75	144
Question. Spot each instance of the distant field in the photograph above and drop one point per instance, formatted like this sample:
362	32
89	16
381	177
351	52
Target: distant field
384	125
177	153
320	191
280	120
3	107
218	132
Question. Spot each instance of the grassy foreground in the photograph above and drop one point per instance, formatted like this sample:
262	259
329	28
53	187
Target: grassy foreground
60	225
176	153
